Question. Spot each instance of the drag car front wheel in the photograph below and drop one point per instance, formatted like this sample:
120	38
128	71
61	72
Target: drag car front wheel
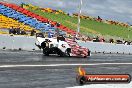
67	52
85	56
89	52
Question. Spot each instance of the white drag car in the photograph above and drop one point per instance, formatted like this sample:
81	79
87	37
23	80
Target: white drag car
60	46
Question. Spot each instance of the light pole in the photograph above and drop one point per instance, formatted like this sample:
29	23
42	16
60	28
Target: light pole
79	13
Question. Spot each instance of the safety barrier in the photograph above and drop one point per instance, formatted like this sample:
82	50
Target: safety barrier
18	42
100	47
28	43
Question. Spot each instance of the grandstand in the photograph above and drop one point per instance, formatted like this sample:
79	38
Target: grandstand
30	17
90	26
8	23
98	19
16	16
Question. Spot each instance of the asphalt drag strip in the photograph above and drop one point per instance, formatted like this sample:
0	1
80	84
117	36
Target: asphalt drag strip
61	65
22	69
105	86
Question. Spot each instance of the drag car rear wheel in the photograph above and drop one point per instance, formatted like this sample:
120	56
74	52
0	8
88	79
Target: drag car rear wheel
59	52
45	51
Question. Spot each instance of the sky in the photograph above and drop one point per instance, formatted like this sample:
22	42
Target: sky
118	10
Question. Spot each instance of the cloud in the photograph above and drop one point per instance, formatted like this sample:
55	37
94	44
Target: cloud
107	9
89	11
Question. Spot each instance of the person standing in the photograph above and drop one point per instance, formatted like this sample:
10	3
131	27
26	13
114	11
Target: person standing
33	32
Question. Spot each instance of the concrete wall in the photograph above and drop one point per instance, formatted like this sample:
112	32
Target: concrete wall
16	42
28	43
107	47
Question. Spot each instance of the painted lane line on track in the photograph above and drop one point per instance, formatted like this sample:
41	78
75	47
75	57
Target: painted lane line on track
59	65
